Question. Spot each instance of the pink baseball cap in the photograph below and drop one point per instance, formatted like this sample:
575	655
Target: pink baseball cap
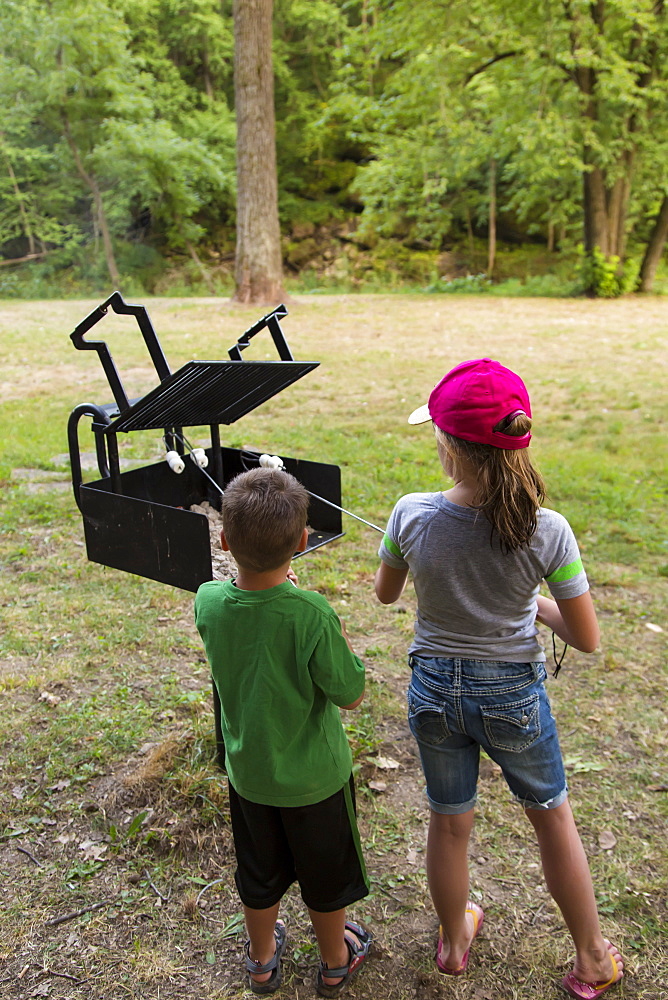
475	398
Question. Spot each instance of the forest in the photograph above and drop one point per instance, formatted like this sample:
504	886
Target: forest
444	144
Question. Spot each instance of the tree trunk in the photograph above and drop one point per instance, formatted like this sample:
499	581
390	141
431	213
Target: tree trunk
491	239
550	236
22	210
100	215
614	211
258	266
657	242
469	231
206	278
106	235
618	203
595	214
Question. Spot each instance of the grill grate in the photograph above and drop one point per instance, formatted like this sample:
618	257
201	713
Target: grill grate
210	392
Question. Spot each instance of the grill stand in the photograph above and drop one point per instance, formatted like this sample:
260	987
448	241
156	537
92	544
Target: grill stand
139	521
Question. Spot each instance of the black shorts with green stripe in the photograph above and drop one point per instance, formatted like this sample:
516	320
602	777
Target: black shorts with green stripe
317	846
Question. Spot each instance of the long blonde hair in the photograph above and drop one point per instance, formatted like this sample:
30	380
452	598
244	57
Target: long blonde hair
509	491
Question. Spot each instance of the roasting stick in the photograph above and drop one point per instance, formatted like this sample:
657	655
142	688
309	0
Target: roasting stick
266	461
198	457
274	462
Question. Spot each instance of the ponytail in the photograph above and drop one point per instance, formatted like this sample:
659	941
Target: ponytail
510	491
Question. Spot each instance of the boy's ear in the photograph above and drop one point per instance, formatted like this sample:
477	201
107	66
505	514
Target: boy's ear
303	541
223	542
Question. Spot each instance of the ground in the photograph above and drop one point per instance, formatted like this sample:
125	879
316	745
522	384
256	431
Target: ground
157	914
115	849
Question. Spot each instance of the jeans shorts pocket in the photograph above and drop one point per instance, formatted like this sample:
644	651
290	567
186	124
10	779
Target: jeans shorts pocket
512	726
427	719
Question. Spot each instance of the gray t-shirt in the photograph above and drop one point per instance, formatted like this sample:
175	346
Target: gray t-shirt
474	600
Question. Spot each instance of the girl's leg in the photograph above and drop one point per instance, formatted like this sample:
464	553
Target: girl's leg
260	927
448	877
568	879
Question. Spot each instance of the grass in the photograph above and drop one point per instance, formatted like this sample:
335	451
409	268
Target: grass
111	794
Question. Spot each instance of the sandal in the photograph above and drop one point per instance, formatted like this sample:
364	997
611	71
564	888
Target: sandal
357	950
589	991
273	965
478	919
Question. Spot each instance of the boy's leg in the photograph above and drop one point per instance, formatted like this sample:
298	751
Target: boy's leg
260	927
329	929
448	877
568	879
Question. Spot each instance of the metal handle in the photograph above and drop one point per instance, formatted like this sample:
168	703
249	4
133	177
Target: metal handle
271	320
86	410
117	303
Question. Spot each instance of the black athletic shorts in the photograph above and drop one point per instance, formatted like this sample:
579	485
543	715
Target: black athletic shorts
317	846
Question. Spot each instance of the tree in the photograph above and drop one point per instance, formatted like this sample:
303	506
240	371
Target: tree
655	247
72	65
258	264
547	91
98	113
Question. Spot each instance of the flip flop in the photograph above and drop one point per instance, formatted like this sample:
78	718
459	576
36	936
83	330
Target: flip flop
273	965
589	991
478	920
357	951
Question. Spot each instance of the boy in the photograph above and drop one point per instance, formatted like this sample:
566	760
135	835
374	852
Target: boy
282	663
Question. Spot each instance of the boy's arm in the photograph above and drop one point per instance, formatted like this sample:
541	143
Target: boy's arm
389	583
361	697
359	701
572	619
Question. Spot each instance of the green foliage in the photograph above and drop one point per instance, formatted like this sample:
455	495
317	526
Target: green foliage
120	117
606	277
469	284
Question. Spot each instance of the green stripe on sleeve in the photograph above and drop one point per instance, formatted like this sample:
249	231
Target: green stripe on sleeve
392	546
566	572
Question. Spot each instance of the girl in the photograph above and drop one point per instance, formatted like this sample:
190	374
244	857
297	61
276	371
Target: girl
478	553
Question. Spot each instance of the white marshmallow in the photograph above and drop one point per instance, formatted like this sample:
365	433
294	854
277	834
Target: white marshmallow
271	462
198	456
175	462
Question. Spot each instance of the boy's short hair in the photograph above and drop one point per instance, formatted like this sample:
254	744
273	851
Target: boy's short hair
264	515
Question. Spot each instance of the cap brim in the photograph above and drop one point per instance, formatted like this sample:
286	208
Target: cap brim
421	415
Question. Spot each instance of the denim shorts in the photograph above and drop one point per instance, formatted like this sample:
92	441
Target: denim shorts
455	707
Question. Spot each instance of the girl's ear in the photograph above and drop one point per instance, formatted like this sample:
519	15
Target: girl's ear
223	542
446	458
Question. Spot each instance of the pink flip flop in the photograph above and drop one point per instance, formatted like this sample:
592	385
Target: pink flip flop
478	919
589	991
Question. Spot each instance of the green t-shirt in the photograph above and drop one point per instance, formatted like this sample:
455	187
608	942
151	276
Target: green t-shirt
281	666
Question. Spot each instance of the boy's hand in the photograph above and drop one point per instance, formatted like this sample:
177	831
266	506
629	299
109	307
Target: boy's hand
292	577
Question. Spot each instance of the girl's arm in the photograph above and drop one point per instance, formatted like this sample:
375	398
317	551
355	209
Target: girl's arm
573	620
389	583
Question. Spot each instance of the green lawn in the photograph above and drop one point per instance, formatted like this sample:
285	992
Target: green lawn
111	794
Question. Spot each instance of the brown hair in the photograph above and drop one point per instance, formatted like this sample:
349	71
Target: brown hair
264	515
510	491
